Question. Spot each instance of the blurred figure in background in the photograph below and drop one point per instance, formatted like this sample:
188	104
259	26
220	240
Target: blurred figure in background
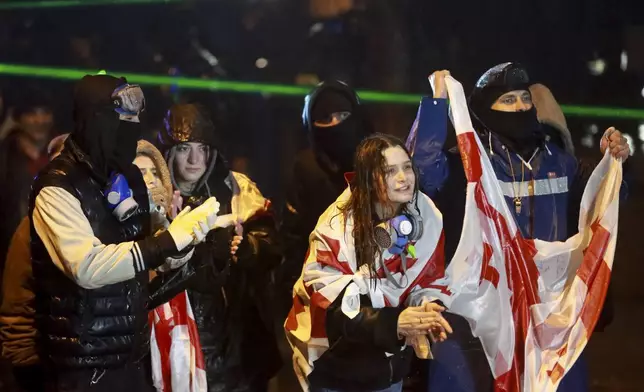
22	155
17	322
336	123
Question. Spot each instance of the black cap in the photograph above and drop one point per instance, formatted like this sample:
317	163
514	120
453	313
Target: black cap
187	123
497	81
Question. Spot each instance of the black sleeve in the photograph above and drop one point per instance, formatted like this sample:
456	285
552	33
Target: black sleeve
260	251
166	286
577	185
150	253
376	327
450	201
294	233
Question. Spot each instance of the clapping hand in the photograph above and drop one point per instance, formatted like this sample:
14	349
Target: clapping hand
424	320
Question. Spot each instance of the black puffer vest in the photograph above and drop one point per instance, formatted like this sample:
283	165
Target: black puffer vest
79	328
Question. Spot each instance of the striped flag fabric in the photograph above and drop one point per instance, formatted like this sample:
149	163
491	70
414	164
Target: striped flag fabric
331	266
177	359
533	304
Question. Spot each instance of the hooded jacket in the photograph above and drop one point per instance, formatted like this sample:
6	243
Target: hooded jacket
549	182
318	172
162	196
551	117
229	299
17	315
91	270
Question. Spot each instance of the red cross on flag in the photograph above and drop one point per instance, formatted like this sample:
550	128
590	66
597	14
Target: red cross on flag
533	304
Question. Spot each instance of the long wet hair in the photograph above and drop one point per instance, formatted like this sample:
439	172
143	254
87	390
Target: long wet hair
369	187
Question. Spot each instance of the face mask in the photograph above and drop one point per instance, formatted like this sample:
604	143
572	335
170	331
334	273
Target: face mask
520	129
338	142
120	197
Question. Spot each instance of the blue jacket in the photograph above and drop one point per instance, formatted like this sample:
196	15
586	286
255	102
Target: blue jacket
549	193
550	190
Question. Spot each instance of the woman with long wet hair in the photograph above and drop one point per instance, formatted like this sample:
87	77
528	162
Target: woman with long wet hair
366	290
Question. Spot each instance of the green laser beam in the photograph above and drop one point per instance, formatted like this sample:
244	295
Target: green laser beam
12	5
273	89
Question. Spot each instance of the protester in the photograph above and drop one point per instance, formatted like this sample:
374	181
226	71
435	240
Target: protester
542	184
22	155
91	248
366	288
227	277
335	122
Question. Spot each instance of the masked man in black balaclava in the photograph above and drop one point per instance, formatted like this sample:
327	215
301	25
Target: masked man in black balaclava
335	123
91	248
542	183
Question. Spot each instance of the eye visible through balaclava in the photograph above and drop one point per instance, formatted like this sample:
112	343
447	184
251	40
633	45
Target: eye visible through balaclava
336	127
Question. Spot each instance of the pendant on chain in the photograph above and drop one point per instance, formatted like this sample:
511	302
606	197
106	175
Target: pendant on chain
517	205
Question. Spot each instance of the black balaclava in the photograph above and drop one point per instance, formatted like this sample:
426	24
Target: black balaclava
109	142
339	142
520	131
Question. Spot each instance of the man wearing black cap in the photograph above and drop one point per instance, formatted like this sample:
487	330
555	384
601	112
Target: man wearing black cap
542	184
90	256
336	123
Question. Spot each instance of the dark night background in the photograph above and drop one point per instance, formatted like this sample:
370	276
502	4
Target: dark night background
373	44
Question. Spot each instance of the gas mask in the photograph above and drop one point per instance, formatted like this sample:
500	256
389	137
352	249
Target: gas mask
120	197
129	101
395	234
157	199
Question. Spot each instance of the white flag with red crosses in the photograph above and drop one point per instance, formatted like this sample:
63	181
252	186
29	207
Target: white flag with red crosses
533	304
177	360
331	267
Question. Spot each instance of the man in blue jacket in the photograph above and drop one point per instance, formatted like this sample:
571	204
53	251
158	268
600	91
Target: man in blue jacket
541	181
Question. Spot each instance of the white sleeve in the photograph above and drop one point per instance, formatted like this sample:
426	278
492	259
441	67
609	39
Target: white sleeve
68	237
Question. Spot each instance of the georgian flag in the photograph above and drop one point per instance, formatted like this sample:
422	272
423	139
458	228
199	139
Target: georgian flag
331	267
177	359
533	304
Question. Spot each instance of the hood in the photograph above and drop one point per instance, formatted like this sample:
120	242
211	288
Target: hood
187	123
335	144
496	81
108	142
519	130
550	114
190	123
162	196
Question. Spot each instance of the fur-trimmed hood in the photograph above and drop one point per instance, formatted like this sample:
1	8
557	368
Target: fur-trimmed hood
549	113
163	195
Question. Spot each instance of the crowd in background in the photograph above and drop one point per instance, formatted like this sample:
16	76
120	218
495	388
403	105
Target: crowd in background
382	46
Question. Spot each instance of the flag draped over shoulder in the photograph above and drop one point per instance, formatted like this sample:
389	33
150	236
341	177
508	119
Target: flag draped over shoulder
533	304
331	266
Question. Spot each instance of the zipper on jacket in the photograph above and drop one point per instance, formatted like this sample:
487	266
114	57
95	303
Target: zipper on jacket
391	371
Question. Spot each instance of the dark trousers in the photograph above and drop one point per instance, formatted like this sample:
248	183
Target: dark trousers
133	377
